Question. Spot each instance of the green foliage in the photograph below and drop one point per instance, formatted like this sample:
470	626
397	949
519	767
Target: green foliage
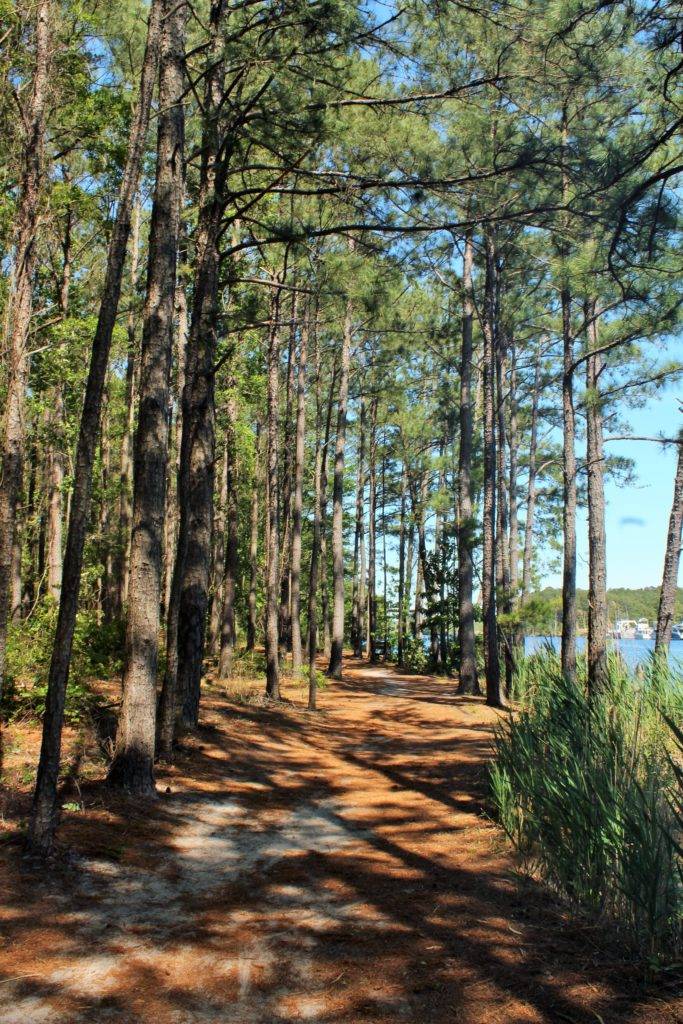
586	790
97	653
415	658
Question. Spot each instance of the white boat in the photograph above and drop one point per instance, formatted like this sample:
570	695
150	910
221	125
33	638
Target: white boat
677	631
625	629
644	630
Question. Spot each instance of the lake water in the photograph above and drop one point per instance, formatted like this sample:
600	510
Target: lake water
634	652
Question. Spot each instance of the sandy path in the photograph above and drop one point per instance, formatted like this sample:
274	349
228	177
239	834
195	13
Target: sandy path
328	868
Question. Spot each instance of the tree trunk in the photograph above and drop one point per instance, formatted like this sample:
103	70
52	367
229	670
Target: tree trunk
672	555
568	654
228	630
318	476
488	588
20	308
469	682
286	488
334	670
45	810
126	469
166	713
531	487
357	604
133	766
297	503
372	534
273	532
218	555
597	544
198	445
401	623
253	549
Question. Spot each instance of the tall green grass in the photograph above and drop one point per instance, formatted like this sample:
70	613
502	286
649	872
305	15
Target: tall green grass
589	791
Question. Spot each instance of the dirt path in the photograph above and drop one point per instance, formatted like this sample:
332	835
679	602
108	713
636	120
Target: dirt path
335	868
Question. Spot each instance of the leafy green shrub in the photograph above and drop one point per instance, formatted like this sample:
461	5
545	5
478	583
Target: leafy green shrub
415	657
97	653
585	788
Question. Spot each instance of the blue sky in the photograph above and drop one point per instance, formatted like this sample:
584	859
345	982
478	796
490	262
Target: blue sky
637	514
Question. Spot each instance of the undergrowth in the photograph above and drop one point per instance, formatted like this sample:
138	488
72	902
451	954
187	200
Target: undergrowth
97	654
590	792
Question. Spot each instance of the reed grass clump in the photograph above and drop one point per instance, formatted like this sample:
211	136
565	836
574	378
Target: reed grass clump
589	791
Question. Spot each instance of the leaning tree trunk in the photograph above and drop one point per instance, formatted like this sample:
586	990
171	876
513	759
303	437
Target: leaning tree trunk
334	670
488	585
19	311
568	653
667	599
297	500
466	525
45	811
133	766
597	544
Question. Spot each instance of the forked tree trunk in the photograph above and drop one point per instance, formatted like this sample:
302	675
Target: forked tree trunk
488	586
45	810
469	682
334	670
672	555
133	766
20	307
597	542
297	500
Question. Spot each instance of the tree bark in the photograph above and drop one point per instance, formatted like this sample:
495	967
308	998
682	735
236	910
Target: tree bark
401	623
672	555
133	766
531	486
126	468
469	682
45	811
273	532
198	445
372	533
253	549
20	308
568	652
334	670
228	630
297	501
597	541
357	601
488	588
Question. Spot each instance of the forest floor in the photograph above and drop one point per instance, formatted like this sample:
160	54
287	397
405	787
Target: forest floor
336	867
